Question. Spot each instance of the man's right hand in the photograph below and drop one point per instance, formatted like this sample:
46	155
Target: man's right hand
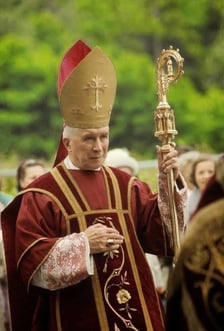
103	238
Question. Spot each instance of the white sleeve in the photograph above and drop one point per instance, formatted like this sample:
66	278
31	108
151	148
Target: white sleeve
67	264
155	266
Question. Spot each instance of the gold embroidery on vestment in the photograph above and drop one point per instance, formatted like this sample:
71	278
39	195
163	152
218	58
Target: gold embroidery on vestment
83	225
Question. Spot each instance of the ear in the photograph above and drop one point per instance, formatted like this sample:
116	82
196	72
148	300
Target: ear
67	143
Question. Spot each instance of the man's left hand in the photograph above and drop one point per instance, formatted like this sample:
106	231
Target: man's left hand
168	161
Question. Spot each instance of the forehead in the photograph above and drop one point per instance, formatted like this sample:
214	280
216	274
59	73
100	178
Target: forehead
95	132
205	164
35	170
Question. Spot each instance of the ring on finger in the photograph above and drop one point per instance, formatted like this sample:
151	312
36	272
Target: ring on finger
109	242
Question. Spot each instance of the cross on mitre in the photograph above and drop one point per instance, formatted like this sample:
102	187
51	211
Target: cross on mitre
96	85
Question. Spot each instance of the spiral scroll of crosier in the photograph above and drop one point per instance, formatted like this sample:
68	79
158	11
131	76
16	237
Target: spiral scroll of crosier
169	69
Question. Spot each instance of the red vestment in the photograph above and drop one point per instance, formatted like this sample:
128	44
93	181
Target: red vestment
121	294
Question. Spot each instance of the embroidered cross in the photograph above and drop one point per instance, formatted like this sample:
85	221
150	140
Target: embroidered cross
96	85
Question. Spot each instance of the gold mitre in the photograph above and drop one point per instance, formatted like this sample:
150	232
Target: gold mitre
87	95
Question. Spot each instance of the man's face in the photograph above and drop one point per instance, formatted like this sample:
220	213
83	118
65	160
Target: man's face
87	148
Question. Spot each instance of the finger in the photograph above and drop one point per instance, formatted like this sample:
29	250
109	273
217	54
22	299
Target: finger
171	164
172	144
112	230
170	156
114	235
98	225
113	246
173	161
115	240
109	242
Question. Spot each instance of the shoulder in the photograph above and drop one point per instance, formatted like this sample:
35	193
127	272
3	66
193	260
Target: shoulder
212	193
207	218
121	176
205	230
124	177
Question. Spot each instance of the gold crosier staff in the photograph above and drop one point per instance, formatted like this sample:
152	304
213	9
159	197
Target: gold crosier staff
169	69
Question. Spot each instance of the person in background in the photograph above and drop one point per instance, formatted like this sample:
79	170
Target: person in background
75	241
214	190
186	160
27	171
182	149
120	158
203	168
195	299
5	198
4	311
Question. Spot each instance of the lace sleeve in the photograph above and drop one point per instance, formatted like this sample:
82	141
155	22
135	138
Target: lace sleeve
68	263
180	199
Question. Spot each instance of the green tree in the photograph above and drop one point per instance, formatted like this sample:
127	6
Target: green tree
35	34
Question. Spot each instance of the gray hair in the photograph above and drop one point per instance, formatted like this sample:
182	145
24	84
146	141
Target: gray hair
69	132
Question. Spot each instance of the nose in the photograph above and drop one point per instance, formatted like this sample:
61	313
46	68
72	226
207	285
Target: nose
97	146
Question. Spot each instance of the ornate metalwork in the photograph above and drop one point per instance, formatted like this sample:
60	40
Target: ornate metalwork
169	69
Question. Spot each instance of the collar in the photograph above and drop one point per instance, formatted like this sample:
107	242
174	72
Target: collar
69	165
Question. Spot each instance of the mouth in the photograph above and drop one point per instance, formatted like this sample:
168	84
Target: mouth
97	157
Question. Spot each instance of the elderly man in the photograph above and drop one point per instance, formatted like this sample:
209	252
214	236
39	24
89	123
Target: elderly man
75	255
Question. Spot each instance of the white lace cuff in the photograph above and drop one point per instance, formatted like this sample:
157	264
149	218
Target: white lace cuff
68	263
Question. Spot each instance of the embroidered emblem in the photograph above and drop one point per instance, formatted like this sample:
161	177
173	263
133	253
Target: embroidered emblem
96	85
117	280
206	264
109	255
123	296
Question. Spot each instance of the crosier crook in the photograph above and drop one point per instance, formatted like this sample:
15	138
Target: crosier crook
169	69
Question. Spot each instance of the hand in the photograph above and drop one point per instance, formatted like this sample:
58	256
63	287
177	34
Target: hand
103	238
168	161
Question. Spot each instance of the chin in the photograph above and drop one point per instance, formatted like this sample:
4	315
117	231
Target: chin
93	166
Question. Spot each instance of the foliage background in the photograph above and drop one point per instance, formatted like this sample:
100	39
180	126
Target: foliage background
34	36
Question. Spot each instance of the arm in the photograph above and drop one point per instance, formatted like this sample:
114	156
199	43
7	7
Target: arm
71	259
47	256
68	263
180	200
167	163
151	212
